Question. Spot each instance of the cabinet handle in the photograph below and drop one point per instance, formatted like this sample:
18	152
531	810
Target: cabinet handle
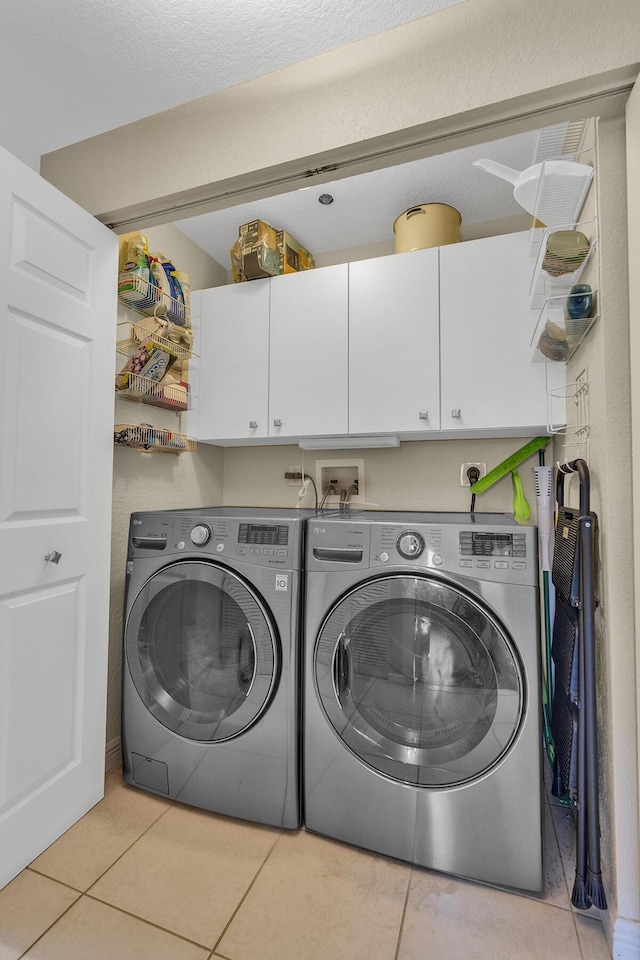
456	413
53	557
277	423
424	414
253	424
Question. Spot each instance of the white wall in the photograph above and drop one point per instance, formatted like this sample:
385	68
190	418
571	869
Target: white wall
417	475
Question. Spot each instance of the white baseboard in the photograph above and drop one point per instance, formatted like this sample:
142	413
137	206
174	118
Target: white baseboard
113	754
623	936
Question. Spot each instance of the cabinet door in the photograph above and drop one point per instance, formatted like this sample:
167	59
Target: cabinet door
488	379
393	343
308	362
234	361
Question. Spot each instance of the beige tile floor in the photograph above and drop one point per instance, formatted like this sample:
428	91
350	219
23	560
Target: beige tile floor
140	877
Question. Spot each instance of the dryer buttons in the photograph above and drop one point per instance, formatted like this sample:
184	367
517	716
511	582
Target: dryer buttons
410	545
201	534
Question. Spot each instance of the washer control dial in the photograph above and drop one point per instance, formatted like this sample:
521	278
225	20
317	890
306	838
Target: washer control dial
201	534
410	545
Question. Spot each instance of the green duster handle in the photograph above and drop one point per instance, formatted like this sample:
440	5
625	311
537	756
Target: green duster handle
521	509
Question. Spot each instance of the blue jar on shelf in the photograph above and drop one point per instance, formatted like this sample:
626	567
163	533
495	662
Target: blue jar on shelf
579	301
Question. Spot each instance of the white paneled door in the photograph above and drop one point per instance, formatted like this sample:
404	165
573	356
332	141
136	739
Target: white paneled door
58	268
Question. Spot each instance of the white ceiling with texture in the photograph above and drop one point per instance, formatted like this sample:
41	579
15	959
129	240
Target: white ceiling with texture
71	69
366	206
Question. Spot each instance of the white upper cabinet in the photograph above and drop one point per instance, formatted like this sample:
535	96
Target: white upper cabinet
394	349
435	342
487	379
309	353
234	362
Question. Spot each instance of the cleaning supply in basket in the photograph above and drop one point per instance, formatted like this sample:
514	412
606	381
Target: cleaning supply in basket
135	281
162	282
172	296
182	278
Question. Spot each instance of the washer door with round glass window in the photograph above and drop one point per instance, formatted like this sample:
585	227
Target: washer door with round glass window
419	680
202	651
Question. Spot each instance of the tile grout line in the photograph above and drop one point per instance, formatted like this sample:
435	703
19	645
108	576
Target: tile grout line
246	894
62	883
130	847
404	914
51	926
150	923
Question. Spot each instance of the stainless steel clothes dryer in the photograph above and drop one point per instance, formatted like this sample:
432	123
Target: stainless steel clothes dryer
422	736
211	663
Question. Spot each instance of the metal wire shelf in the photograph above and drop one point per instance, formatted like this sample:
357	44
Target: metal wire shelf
152	439
169	396
131	335
146	297
557	335
544	285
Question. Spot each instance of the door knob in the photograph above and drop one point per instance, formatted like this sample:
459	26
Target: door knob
53	557
456	413
277	423
253	424
424	414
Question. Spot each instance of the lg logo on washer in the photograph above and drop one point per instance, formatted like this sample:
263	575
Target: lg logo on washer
282	581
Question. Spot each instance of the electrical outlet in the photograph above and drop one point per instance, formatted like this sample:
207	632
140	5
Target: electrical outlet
293	475
464	479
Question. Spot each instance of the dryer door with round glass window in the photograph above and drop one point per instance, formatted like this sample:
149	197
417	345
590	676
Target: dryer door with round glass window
202	651
419	680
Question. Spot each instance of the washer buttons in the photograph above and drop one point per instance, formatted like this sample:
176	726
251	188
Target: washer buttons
384	556
220	547
437	559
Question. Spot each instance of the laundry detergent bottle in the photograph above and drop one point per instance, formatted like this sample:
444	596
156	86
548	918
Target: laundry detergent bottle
176	313
135	282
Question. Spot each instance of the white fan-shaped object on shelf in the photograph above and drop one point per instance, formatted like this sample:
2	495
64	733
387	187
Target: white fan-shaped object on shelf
552	190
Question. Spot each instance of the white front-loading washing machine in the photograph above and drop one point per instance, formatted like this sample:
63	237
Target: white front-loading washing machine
422	736
211	660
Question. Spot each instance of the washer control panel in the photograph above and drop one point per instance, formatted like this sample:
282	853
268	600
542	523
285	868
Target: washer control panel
477	549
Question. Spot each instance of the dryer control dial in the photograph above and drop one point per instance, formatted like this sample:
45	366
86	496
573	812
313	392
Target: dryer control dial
201	534
410	545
